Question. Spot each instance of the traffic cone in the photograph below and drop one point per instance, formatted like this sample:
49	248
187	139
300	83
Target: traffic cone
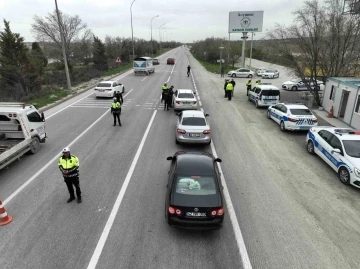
4	218
331	113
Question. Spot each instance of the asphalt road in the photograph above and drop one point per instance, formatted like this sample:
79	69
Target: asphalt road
292	210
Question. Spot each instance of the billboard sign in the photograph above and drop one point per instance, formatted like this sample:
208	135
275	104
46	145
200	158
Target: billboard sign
245	21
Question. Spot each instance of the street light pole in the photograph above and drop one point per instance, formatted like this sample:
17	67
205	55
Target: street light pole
221	48
132	32
251	47
160	35
63	47
152	50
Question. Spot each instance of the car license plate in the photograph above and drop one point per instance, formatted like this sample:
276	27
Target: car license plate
101	90
194	135
195	214
186	103
305	127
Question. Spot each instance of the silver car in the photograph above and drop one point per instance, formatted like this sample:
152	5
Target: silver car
192	127
184	99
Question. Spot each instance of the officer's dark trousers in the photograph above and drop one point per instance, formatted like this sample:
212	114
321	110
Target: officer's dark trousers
247	90
70	183
229	94
167	104
116	116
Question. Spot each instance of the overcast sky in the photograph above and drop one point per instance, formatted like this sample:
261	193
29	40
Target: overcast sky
186	20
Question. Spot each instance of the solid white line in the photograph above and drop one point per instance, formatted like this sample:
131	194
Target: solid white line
200	103
144	78
89	107
231	211
57	156
168	79
100	245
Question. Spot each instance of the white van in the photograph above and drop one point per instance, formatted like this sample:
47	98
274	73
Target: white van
264	95
143	65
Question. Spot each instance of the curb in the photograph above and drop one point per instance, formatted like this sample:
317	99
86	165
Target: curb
78	92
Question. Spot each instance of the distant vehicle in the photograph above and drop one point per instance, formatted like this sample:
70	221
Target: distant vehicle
270	73
192	127
339	148
143	65
184	99
264	95
22	129
260	71
299	85
170	61
292	116
108	88
194	197
241	73
156	61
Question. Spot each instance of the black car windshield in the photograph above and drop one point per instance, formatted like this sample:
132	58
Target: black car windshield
186	95
352	148
104	85
193	121
195	185
300	112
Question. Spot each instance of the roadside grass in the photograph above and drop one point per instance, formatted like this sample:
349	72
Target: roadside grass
214	68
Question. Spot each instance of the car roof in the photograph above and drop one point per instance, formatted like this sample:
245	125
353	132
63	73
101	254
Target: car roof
194	163
193	113
107	81
185	90
341	133
267	87
295	106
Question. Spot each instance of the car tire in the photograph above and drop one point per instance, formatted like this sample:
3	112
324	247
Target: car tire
208	143
123	91
268	115
344	176
282	126
310	147
233	75
176	141
249	99
250	76
294	88
35	145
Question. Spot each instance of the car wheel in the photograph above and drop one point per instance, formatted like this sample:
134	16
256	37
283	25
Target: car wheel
268	114
256	104
249	99
282	126
344	175
208	143
310	147
123	91
35	145
233	75
294	88
250	76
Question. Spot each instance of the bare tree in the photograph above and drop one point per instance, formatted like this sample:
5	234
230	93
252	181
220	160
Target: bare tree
75	31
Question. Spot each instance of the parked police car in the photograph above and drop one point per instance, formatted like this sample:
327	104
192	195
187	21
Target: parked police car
292	116
300	85
339	148
264	95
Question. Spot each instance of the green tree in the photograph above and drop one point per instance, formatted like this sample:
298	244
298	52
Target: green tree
38	58
99	55
19	76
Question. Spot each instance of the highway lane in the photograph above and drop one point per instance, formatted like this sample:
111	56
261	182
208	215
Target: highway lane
292	209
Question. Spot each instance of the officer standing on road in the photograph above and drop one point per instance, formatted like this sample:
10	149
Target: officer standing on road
171	93
165	88
119	98
188	70
233	83
226	83
248	87
115	110
229	89
69	166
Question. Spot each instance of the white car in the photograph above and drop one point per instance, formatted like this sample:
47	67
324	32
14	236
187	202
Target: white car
299	85
108	88
260	71
339	148
292	116
264	94
192	127
184	99
241	73
270	73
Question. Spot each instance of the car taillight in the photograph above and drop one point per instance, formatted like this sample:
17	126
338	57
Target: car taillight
292	120
315	121
178	102
95	89
178	212
217	212
194	102
108	89
213	213
171	210
206	132
181	131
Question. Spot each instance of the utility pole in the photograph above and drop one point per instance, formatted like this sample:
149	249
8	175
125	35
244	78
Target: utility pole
251	47
132	32
152	50
243	49
63	47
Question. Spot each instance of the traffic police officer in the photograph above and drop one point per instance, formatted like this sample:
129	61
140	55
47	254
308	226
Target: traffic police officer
233	83
229	89
165	88
69	166
248	87
119	98
115	110
226	83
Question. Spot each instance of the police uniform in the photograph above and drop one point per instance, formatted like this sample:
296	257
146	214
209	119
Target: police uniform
69	166
248	87
233	83
188	70
226	83
229	89
165	88
115	110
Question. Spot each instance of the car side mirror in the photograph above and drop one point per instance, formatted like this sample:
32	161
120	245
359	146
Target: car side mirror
218	160
336	151
169	158
207	115
194	93
42	116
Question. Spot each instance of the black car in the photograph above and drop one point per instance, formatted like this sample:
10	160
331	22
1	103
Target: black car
156	61
194	197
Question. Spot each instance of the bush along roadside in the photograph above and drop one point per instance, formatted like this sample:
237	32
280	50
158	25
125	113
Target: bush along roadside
214	67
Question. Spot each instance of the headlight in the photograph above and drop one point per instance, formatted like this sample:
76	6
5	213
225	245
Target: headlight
357	172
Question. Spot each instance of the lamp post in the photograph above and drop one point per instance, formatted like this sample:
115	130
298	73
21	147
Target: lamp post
152	50
221	48
251	47
132	32
160	35
63	47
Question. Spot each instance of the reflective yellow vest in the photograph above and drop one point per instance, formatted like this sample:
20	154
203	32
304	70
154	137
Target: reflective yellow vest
115	105
229	87
71	164
164	88
248	83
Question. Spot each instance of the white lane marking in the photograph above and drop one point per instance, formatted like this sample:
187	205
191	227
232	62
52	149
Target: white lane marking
200	103
100	245
48	117
144	78
168	79
23	186
238	235
90	106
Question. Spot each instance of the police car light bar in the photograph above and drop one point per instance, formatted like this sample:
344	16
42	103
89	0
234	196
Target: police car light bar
297	103
265	84
346	131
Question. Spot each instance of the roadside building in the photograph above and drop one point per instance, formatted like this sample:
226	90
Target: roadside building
342	95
